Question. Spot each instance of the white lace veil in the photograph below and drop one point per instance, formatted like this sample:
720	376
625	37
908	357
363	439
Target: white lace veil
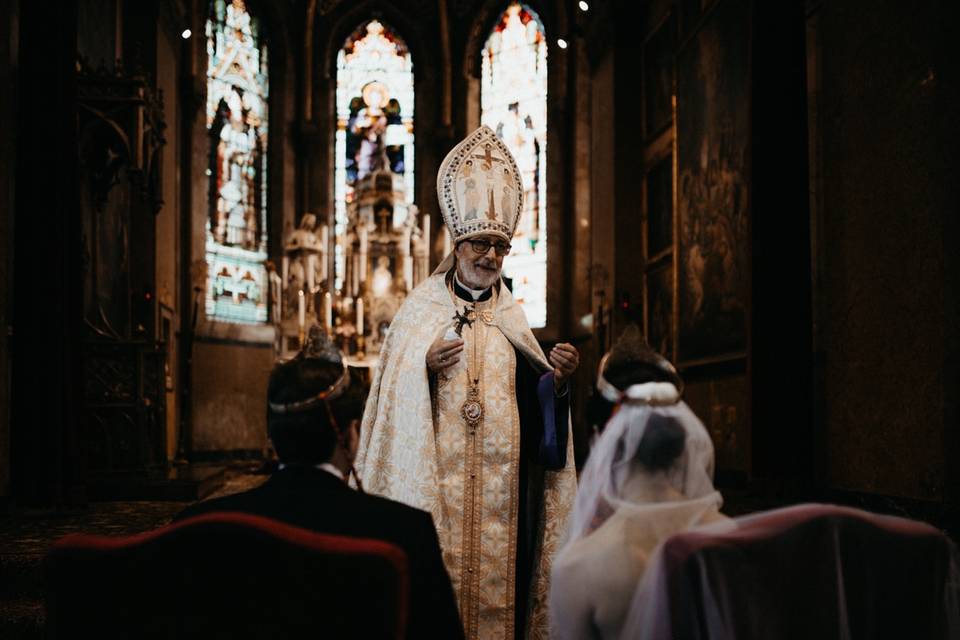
611	464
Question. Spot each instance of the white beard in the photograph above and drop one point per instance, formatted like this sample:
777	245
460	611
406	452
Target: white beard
476	278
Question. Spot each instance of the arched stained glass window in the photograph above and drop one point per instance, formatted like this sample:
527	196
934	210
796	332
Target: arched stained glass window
513	102
237	91
374	119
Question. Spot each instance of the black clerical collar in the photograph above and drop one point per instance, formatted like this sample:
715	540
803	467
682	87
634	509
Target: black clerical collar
467	294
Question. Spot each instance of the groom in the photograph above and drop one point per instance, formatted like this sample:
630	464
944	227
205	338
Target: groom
313	417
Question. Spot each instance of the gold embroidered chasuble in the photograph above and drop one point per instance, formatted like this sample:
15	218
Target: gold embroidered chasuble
416	447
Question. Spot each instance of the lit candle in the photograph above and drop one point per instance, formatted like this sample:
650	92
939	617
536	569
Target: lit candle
302	311
328	311
363	239
356	275
359	316
408	271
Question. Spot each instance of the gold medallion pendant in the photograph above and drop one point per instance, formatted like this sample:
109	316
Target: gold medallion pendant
472	408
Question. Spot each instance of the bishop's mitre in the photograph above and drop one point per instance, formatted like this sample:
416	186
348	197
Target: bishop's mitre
479	188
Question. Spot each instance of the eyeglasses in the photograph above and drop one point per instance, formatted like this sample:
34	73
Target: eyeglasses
481	246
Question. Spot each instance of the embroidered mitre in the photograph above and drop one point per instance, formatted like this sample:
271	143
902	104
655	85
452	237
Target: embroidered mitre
479	188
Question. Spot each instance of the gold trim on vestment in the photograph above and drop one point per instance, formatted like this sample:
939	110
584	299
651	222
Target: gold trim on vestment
487	472
413	443
514	507
469	599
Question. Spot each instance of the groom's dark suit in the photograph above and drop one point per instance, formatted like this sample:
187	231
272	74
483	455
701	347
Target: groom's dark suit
315	499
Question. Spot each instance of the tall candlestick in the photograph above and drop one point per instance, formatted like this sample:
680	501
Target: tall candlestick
356	275
302	311
359	316
351	275
328	311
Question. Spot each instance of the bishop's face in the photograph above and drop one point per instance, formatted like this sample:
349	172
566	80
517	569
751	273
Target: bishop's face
479	270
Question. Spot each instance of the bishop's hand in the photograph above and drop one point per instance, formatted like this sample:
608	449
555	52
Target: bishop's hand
565	358
443	354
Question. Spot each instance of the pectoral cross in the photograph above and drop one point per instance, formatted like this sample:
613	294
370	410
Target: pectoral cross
466	318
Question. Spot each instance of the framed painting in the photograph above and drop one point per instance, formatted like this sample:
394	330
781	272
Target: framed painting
713	204
658	53
659	304
659	197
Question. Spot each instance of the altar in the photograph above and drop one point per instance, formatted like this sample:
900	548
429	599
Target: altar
384	253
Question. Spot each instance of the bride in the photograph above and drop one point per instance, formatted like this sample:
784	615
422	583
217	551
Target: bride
649	475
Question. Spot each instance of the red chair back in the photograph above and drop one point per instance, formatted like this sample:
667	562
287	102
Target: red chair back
811	571
226	575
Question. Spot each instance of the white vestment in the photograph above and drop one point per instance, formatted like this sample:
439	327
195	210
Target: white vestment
416	448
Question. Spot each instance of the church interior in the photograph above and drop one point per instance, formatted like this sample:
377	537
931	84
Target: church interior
767	190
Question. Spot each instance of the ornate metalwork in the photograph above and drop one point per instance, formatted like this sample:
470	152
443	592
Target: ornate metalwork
121	124
125	407
121	127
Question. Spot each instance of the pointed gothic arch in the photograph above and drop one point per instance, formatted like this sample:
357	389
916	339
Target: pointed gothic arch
237	119
513	102
332	25
374	109
556	21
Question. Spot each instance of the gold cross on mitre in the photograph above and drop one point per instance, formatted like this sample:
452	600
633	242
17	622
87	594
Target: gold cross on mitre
487	157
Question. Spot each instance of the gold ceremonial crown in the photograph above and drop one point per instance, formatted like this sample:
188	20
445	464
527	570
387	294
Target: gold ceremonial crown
479	188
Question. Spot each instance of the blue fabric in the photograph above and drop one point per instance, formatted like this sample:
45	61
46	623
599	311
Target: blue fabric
553	444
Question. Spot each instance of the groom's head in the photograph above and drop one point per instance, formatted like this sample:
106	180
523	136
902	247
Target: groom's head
314	408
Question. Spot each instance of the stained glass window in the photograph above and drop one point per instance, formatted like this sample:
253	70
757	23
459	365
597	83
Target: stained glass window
374	119
513	102
237	91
